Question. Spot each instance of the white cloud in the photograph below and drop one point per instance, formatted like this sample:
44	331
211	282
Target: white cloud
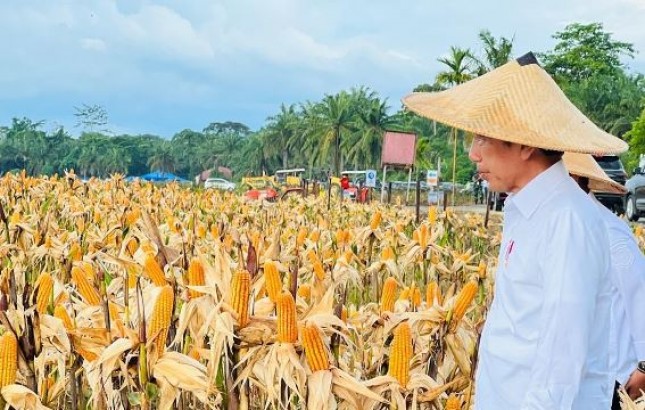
94	44
214	56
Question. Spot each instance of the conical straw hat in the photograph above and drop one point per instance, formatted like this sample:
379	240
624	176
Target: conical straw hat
518	102
583	165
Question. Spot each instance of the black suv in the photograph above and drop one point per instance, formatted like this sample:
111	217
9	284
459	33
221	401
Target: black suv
614	169
635	201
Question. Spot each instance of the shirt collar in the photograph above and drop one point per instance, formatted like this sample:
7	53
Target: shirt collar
529	198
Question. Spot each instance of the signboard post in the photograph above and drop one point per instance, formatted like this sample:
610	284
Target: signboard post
432	178
370	178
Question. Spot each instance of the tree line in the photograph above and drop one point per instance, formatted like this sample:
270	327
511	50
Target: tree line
342	130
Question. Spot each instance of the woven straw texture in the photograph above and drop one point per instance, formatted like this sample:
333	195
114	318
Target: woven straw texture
520	104
584	165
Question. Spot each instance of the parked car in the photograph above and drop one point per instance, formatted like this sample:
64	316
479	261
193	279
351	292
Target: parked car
219	183
635	200
614	169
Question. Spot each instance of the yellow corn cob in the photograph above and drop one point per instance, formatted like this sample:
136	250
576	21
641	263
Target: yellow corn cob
272	280
313	258
388	295
115	317
319	271
401	354
194	353
61	313
48	242
195	277
86	354
8	359
315	350
340	237
287	326
415	297
423	236
405	294
85	289
132	276
453	403
302	235
465	297
147	247
14	218
327	253
314	236
45	289
376	220
88	269
432	294
432	215
132	216
133	245
75	252
161	316
201	231
387	254
304	291
240	296
38	236
481	270
153	271
254	239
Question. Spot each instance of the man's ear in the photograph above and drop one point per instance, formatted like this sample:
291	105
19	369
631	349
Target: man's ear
526	152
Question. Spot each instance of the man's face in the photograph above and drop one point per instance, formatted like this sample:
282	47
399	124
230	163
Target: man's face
497	162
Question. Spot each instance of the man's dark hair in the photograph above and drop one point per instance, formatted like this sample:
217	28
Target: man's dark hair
551	154
583	183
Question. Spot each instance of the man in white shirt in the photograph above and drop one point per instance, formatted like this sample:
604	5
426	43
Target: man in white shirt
545	342
627	276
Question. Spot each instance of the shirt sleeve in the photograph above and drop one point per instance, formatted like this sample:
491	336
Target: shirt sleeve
574	260
628	270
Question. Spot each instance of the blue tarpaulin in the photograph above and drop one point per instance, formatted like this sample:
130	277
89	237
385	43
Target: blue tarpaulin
158	176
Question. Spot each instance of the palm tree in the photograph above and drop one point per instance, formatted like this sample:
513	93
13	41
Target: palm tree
283	132
364	146
256	160
460	67
327	123
496	52
162	159
460	64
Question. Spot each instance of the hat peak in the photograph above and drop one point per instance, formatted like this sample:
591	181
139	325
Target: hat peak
527	59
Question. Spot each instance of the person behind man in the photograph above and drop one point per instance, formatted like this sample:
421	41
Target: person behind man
545	340
344	182
627	275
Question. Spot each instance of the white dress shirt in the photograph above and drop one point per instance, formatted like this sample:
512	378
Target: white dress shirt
545	342
627	275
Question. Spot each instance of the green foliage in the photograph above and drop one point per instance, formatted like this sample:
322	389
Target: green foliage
636	139
585	50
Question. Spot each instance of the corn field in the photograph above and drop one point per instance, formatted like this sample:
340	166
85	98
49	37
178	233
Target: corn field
136	296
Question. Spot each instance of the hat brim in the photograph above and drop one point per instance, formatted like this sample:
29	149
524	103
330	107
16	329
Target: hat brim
519	104
585	166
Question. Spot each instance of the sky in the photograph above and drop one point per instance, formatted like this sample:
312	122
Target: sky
162	66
